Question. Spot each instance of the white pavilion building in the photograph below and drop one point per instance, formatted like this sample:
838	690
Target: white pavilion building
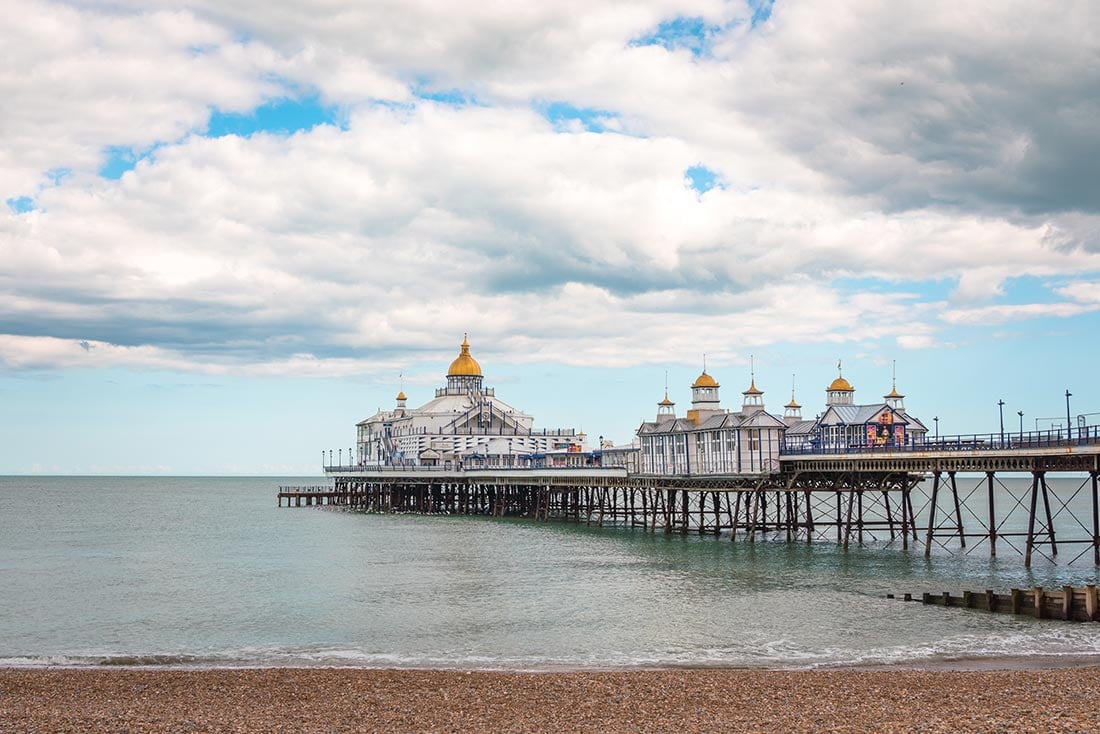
464	425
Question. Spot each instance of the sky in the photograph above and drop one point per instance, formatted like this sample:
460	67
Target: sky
229	230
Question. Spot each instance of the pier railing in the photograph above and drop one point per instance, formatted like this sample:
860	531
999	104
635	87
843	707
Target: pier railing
1016	441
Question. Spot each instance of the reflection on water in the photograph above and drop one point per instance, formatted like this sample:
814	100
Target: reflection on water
210	572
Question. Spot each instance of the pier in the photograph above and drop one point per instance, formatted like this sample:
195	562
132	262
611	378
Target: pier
911	497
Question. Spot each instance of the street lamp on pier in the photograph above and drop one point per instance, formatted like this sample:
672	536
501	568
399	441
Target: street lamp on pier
1021	414
1069	427
936	420
1001	407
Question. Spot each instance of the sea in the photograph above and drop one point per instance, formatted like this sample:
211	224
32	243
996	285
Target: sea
210	572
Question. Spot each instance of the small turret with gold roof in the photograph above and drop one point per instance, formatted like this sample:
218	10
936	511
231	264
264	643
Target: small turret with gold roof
840	391
792	411
754	396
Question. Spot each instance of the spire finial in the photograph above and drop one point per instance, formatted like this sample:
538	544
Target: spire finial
839	368
704	361
894	376
666	383
752	368
792	388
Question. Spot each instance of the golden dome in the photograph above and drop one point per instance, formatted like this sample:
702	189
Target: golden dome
792	404
705	380
666	401
464	365
753	390
841	384
401	395
894	393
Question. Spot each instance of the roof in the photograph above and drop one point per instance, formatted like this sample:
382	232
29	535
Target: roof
705	380
756	419
801	428
464	365
840	384
859	414
753	390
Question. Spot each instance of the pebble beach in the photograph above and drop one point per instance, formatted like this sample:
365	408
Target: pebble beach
360	700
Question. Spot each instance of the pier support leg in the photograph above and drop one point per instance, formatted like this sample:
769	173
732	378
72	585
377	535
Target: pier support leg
809	519
905	520
958	510
1095	521
932	514
1031	518
992	516
1050	519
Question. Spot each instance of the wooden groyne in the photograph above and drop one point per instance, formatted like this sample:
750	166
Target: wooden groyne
1077	604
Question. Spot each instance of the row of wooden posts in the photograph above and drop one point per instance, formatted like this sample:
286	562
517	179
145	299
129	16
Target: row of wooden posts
1080	604
846	514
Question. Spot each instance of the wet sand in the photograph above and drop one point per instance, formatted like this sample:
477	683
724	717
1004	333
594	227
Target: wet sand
352	700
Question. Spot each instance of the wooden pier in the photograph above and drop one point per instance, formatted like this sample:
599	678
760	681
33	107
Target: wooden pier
915	500
1077	604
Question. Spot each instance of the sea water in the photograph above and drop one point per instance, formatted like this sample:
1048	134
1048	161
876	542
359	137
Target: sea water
211	572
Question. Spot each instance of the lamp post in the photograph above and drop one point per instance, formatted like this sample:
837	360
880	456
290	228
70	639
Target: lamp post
1021	414
936	420
1068	426
1001	407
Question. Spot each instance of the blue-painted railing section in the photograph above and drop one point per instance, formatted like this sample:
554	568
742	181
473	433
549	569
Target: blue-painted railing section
971	442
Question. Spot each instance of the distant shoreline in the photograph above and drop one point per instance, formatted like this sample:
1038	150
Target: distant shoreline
322	699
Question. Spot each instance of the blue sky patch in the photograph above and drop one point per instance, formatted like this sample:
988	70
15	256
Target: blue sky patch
455	97
563	114
21	204
702	179
282	116
692	34
119	160
761	11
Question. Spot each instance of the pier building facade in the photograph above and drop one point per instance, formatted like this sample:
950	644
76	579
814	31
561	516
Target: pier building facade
710	439
464	425
844	424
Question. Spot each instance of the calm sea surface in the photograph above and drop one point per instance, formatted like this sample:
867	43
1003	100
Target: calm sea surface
210	572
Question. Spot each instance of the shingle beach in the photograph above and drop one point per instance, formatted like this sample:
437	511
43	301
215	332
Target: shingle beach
354	700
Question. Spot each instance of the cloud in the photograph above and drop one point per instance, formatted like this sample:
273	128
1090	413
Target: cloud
540	199
1004	313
